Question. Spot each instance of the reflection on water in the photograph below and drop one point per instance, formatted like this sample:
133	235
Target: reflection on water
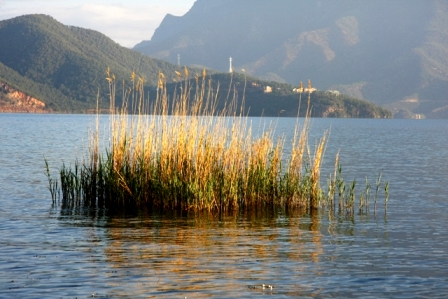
186	254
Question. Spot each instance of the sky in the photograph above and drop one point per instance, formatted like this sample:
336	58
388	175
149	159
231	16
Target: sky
127	22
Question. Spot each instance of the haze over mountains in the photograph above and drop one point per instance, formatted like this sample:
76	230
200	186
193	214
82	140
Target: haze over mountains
393	53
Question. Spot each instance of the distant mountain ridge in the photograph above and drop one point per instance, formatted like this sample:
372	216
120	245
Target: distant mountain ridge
383	51
46	66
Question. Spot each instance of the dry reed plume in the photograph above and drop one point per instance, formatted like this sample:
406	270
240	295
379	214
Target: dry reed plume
183	153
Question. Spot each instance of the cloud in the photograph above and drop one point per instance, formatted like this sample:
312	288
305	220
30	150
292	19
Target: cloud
126	25
126	22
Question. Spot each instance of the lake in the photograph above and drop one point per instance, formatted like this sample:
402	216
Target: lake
47	252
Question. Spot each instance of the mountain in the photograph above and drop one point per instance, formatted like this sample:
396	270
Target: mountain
392	53
46	66
64	66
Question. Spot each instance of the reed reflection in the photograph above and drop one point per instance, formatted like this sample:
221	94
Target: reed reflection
192	254
190	251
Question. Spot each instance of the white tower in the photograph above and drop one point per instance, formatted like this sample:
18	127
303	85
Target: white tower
230	68
178	59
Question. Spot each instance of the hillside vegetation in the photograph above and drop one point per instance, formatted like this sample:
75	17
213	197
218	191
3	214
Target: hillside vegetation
283	101
64	66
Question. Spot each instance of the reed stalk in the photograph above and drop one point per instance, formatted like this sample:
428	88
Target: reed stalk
386	195
378	185
367	194
52	184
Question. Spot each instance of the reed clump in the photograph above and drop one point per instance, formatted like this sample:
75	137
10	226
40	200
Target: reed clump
182	153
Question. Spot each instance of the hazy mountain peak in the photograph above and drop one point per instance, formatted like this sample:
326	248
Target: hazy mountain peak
393	49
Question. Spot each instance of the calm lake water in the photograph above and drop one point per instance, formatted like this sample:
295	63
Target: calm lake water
46	252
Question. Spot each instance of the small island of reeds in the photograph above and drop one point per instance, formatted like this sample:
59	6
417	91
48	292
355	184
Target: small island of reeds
179	152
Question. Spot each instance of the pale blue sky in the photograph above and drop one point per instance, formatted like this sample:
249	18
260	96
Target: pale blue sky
127	22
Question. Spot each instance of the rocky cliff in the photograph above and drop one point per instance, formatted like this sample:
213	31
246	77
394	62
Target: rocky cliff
13	100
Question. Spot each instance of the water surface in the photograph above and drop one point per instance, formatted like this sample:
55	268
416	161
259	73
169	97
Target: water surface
47	252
